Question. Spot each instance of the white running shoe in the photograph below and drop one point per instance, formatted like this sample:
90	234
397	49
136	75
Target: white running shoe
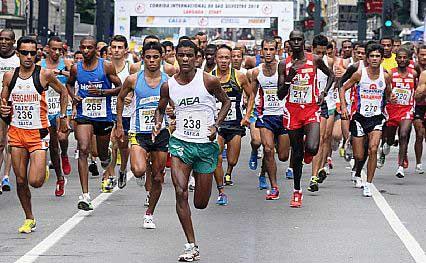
76	154
260	153
191	253
419	169
400	172
367	192
353	177
148	222
191	184
146	204
386	149
359	183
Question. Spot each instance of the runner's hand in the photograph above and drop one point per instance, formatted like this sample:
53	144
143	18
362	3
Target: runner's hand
321	98
128	101
119	132
291	73
393	98
76	100
6	110
170	111
213	132
155	131
94	91
344	112
245	121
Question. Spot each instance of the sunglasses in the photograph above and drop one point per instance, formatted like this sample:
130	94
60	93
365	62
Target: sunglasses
26	52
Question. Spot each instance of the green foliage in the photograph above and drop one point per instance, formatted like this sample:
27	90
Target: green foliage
87	10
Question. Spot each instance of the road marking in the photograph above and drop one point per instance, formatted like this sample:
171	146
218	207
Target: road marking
398	227
66	227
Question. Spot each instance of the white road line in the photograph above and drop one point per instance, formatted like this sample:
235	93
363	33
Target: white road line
407	239
66	227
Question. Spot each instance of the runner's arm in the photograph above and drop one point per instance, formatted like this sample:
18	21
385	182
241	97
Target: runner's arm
388	90
213	86
71	82
112	75
128	87
420	94
349	84
162	105
134	68
5	108
327	71
55	84
348	74
249	92
282	87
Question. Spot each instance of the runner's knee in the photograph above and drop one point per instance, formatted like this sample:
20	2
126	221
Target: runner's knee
36	182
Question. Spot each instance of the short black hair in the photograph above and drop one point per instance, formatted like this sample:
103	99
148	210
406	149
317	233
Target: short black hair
404	49
200	33
211	46
362	45
347	40
77	52
182	38
201	51
423	46
375	47
168	44
150	36
10	31
268	40
187	43
152	45
319	40
330	45
119	38
278	37
225	47
243	49
91	38
54	39
386	38
25	40
104	50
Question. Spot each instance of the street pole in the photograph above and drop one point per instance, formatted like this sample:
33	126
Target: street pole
30	19
362	21
43	14
100	20
69	23
317	17
424	26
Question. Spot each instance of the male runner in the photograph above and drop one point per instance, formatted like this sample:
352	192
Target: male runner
146	88
8	61
396	45
192	145
210	53
367	119
389	61
202	37
24	102
56	63
347	49
234	83
270	114
401	113
319	174
93	78
297	85
119	49
419	112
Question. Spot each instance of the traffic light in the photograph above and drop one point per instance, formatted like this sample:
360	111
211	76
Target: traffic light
387	18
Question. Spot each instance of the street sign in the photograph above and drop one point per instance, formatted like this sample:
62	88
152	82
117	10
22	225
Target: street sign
373	7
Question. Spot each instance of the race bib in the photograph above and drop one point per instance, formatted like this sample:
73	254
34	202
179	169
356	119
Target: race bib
26	115
146	119
271	98
370	108
301	94
193	124
232	113
54	104
114	104
94	107
402	95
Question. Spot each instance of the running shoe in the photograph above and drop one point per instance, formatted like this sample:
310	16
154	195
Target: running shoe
259	153
367	192
140	180
307	157
353	176
419	168
60	187
296	199
28	226
386	149
5	184
66	167
84	202
253	161
222	199
122	179
322	175
148	222
50	164
106	186
191	253
400	172
381	159
348	151
262	183
224	154
358	182
1	191
93	169
289	173
118	161
191	184
76	154
146	203
341	152
405	162
313	184
273	194
330	163
228	180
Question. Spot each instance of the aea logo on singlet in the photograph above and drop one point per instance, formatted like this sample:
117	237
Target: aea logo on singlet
189	101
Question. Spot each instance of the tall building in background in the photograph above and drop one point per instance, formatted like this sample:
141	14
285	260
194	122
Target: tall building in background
342	19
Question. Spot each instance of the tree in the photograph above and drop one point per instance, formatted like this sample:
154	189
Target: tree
87	10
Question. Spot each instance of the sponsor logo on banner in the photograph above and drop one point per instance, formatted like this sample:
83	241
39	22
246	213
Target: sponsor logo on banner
203	21
140	8
267	9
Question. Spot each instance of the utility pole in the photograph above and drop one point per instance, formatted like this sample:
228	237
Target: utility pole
100	20
424	28
43	14
69	23
317	17
30	19
362	21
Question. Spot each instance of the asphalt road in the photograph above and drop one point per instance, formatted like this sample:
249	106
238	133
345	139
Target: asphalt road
335	224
